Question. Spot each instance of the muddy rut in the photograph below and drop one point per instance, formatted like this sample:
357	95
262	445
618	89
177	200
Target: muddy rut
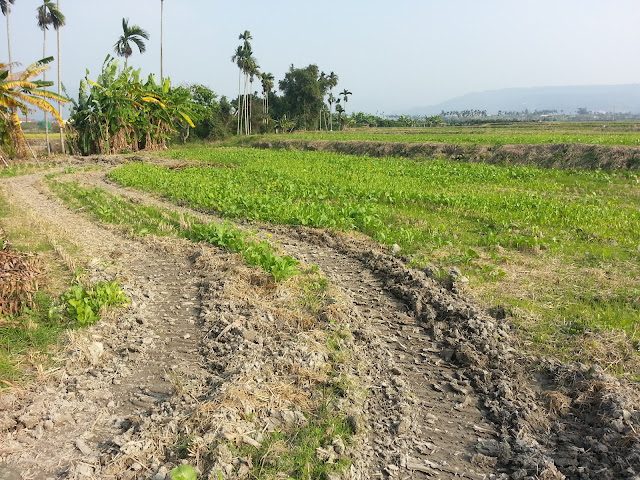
447	394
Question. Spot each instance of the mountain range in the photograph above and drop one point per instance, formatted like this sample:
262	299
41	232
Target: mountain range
568	99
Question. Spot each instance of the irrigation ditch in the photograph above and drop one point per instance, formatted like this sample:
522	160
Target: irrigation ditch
216	365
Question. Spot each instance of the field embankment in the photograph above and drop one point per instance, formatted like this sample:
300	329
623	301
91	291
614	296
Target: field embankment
556	155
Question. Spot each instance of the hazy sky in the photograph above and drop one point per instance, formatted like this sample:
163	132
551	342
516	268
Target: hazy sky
393	55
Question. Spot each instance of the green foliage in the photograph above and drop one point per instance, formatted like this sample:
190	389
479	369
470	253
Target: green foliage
123	112
214	120
184	472
255	253
83	305
491	134
18	169
303	93
294	454
45	327
144	220
20	92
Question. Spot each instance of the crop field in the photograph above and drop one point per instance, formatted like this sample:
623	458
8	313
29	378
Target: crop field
529	133
557	250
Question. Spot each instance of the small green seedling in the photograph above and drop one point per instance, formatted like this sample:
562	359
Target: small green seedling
184	472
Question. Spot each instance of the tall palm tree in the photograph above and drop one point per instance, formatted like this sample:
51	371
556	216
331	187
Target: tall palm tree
130	34
161	35
340	111
60	74
247	66
20	91
253	71
6	9
331	100
239	58
48	15
345	96
331	81
267	86
245	37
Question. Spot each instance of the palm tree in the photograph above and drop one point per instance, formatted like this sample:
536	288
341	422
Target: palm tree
345	96
60	72
331	100
331	81
340	111
267	86
6	9
239	58
133	33
246	64
20	91
161	35
48	14
253	72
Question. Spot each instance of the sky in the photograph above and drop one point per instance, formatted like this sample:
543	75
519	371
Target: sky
392	55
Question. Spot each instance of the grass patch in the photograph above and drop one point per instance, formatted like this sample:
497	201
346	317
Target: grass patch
305	453
30	338
143	220
24	168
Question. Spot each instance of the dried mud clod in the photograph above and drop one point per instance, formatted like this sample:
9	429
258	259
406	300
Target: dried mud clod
268	367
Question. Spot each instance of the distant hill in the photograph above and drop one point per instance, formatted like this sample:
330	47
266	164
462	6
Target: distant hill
606	98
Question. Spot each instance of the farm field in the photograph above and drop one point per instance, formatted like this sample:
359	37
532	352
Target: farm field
327	307
607	133
559	251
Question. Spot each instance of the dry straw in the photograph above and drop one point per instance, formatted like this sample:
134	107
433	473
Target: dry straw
19	276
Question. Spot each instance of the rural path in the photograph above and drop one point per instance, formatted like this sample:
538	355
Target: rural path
124	364
448	395
423	415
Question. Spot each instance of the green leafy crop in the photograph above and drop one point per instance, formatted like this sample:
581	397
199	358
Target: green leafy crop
83	305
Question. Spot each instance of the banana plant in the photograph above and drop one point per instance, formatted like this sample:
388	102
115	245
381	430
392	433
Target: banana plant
19	91
124	112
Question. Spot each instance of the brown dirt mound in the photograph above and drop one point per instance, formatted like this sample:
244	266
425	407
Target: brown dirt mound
558	155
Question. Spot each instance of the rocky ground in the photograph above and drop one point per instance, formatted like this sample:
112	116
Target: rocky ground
211	351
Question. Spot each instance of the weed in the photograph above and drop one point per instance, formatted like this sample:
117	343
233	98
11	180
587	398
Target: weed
184	472
305	453
83	305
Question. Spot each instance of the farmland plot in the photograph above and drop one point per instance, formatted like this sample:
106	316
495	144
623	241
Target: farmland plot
558	250
355	366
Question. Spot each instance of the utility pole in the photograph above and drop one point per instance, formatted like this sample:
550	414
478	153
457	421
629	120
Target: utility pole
161	37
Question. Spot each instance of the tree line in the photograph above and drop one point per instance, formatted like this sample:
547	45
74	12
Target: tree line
123	110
